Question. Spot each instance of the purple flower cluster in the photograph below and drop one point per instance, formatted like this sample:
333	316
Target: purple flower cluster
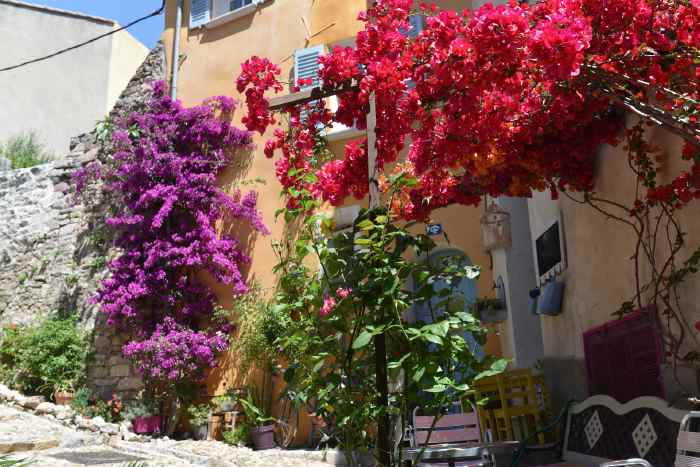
163	176
174	353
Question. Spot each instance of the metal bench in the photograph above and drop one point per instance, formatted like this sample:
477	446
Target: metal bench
600	430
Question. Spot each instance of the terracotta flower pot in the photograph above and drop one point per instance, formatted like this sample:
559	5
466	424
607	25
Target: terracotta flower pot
147	425
63	397
263	437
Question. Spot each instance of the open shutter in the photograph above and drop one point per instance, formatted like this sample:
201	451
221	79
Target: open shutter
200	12
416	26
306	64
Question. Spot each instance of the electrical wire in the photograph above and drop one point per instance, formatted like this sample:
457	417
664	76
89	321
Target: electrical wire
83	44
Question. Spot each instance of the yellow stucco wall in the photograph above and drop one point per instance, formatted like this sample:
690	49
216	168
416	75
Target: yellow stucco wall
210	62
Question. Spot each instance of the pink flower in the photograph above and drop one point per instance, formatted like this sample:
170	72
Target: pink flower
343	293
328	305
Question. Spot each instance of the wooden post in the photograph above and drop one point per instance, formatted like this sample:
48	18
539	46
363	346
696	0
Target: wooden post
380	363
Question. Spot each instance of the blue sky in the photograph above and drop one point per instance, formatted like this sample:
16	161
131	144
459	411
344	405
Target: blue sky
124	11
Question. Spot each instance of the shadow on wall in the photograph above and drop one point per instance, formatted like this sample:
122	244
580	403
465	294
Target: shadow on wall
566	379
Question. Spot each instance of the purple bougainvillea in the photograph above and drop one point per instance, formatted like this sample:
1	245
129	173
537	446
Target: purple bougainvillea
175	353
162	176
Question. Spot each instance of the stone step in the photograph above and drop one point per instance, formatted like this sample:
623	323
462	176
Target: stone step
13	446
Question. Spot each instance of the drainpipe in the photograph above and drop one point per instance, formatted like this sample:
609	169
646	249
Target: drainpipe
176	52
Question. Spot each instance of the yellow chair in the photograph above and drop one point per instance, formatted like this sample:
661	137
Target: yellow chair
516	404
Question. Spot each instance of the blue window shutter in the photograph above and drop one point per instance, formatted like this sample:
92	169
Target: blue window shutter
306	64
200	12
416	26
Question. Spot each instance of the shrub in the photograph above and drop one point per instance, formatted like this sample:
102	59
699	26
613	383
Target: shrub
81	400
237	436
25	150
45	358
199	414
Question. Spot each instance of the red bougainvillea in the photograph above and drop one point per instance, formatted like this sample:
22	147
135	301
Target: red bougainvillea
502	100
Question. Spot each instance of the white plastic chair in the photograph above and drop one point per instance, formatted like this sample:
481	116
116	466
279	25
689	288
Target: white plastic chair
628	463
688	442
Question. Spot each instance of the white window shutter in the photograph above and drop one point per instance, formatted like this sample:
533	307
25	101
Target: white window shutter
306	64
200	12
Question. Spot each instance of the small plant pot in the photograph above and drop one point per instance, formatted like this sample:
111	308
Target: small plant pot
493	315
201	432
63	397
147	425
226	406
263	437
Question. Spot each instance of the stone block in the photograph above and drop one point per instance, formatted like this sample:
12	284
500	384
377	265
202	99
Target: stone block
129	383
120	371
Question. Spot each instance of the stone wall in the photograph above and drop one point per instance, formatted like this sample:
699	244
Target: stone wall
53	251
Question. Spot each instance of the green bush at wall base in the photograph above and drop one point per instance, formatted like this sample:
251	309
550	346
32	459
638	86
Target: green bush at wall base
24	150
44	358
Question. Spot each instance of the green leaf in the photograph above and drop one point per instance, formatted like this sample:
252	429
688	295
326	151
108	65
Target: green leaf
497	367
363	241
362	340
365	225
418	374
397	363
433	338
437	388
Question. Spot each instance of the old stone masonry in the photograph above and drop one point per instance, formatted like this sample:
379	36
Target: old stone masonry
52	251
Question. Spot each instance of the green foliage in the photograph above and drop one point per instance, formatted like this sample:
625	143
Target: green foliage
199	414
45	358
238	436
81	400
257	407
143	406
25	150
5	461
367	287
260	325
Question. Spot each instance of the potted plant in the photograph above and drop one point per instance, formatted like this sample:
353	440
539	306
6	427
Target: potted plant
199	419
223	403
490	310
63	393
257	415
144	417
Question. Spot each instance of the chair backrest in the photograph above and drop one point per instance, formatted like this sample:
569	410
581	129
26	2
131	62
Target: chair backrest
688	443
450	428
628	463
600	428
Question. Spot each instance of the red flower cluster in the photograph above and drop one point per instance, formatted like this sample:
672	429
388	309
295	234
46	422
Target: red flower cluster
257	76
501	100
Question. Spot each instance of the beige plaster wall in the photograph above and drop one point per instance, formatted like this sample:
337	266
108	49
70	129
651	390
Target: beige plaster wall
600	274
127	55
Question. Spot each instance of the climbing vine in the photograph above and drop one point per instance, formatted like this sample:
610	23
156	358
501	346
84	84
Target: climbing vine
507	100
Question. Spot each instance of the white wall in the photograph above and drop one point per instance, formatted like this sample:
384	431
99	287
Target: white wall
63	96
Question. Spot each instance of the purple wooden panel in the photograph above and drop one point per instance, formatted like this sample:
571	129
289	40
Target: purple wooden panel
623	357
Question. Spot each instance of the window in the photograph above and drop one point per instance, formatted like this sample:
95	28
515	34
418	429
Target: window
214	12
236	4
550	252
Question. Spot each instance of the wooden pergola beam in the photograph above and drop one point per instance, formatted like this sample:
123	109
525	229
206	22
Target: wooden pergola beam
308	95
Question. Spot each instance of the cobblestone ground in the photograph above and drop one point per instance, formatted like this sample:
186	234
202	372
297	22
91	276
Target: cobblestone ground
49	444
